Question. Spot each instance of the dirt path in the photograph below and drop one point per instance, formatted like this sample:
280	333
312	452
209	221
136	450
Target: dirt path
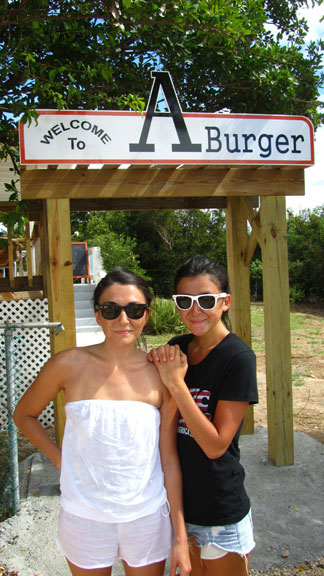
308	397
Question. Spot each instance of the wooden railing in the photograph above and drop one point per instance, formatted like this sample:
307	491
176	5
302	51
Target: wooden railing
16	259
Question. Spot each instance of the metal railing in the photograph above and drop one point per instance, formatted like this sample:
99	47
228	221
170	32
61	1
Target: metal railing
12	481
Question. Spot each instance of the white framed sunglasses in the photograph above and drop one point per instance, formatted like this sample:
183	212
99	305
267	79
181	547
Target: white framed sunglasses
204	301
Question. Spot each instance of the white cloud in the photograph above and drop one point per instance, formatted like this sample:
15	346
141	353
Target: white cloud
313	17
314	180
314	176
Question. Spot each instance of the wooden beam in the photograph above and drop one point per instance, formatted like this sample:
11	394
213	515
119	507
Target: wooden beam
21	295
277	330
105	204
35	207
239	276
59	287
21	284
157	182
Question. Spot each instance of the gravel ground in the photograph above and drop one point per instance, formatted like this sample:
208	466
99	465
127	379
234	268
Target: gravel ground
315	568
287	508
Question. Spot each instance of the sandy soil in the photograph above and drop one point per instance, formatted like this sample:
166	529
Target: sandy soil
308	400
307	346
308	396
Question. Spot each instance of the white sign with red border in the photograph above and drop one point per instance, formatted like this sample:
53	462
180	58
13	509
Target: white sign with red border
166	136
109	137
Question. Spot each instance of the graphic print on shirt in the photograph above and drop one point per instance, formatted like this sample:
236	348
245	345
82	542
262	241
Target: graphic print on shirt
201	397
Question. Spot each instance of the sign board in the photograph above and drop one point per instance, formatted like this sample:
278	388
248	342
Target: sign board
168	137
80	261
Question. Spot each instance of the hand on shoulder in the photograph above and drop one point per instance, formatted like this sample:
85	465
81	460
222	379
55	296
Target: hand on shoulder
167	353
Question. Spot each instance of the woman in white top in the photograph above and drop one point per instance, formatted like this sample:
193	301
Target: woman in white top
120	473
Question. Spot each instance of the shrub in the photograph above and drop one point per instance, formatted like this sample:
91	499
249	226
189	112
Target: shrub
296	294
164	318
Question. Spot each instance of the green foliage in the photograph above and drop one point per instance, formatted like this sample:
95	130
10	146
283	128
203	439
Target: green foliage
256	279
119	251
160	240
306	254
166	238
15	220
116	248
5	504
157	242
296	295
164	318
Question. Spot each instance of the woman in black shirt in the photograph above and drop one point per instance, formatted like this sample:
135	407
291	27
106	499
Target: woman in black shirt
211	375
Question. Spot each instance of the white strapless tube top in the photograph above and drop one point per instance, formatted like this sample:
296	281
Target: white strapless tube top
111	467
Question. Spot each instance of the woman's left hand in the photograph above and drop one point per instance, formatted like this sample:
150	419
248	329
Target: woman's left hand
180	560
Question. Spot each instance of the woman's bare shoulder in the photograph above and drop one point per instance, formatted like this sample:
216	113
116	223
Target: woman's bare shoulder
71	357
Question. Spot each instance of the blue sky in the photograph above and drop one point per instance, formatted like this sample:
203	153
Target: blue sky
314	176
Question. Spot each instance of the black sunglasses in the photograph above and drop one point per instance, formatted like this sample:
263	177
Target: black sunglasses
204	301
111	310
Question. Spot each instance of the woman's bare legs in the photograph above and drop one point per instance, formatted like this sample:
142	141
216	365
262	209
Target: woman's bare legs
77	571
231	564
155	569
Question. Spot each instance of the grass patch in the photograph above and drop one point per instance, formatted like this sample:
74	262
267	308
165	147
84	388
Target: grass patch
307	332
152	341
257	315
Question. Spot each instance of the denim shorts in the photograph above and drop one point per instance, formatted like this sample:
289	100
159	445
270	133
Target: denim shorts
231	538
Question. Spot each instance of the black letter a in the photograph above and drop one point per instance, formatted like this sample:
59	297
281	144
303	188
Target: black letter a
163	79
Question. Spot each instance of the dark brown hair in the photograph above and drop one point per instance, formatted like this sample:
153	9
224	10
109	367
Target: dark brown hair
119	275
201	265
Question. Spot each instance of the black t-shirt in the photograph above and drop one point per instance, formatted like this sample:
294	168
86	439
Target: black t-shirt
213	489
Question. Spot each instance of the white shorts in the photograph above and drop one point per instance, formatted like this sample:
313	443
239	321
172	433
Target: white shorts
90	544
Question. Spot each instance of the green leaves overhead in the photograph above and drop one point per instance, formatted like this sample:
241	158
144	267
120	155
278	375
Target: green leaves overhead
95	54
241	55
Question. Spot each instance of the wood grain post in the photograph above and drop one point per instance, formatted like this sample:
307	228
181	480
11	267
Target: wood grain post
58	279
277	330
11	260
29	257
239	277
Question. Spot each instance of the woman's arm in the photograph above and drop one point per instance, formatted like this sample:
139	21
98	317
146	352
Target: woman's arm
173	482
214	437
45	388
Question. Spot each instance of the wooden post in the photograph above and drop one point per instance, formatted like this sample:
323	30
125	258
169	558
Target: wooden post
239	276
277	330
58	279
11	260
29	257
